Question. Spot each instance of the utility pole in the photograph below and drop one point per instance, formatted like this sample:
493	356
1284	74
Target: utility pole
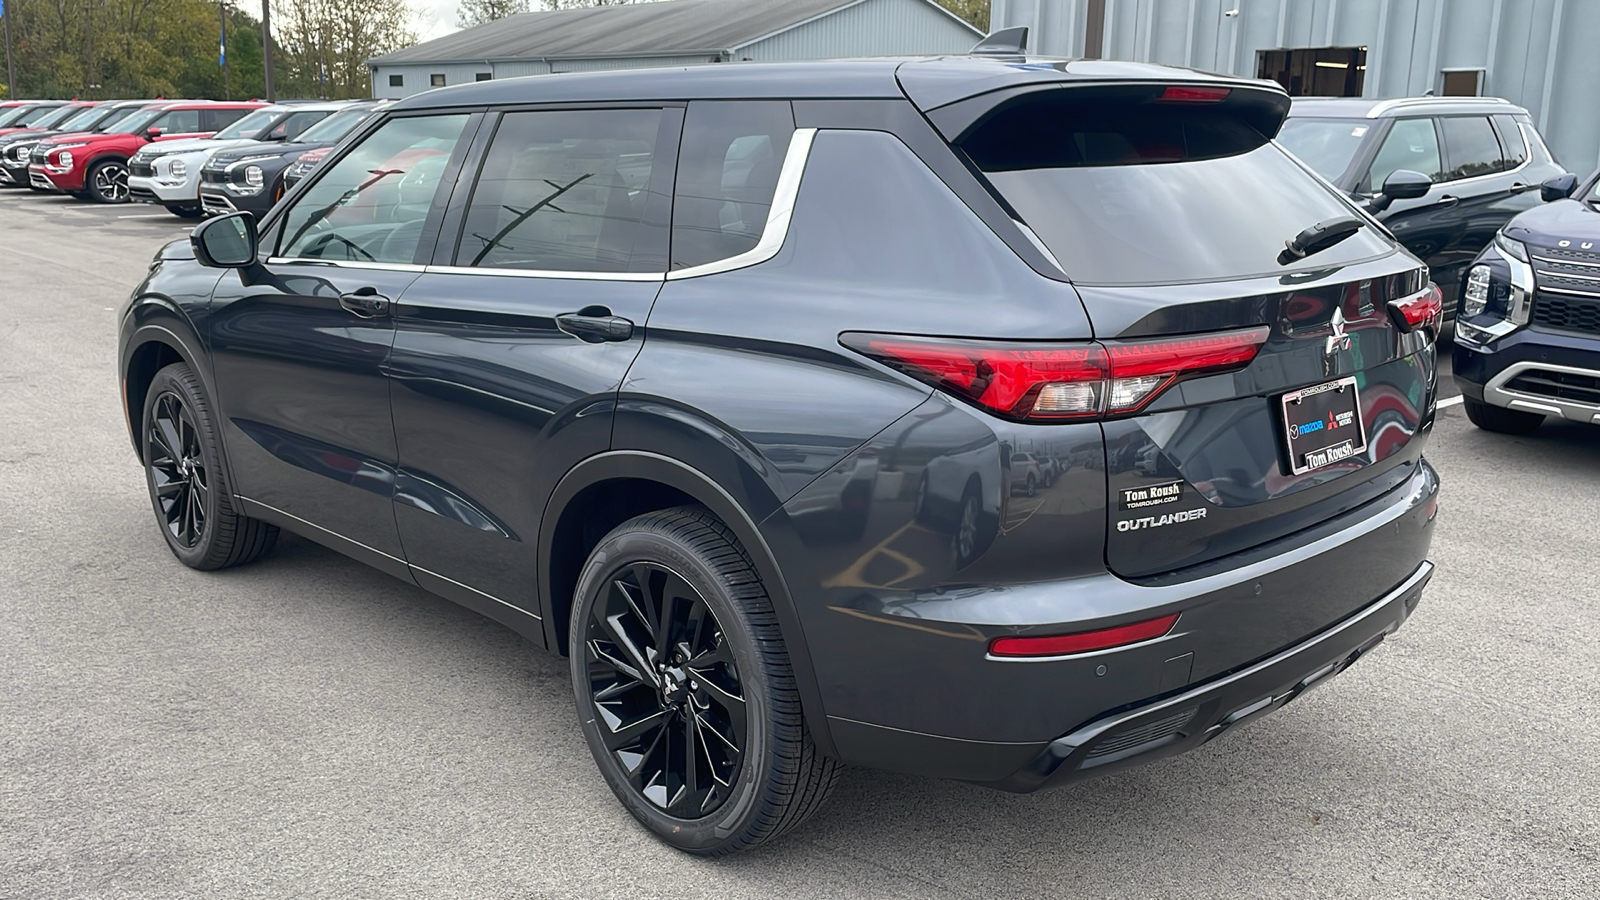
222	52
266	47
11	67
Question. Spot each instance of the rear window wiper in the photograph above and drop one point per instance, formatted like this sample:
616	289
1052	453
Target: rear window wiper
1319	237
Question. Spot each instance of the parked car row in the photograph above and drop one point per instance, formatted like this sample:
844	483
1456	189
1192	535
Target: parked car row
156	151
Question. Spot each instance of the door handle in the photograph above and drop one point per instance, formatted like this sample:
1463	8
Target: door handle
1448	200
365	302
595	324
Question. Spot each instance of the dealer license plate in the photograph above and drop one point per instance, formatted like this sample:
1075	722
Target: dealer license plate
1323	425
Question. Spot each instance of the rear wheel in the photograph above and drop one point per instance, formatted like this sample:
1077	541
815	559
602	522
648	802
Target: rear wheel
107	181
188	487
684	688
1499	419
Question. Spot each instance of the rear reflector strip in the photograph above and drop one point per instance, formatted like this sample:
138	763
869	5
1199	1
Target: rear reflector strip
1045	382
1083	641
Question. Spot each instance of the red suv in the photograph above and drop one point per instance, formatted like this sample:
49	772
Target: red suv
95	166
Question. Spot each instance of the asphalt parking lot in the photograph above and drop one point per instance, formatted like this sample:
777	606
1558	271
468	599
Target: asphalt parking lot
308	727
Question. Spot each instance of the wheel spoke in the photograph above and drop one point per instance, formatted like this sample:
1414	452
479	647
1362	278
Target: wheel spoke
633	731
732	704
642	667
688	799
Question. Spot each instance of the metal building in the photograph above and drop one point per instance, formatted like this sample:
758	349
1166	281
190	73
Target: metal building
1535	53
675	33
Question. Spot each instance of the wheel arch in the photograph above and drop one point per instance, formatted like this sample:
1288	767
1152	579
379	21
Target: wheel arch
631	482
151	347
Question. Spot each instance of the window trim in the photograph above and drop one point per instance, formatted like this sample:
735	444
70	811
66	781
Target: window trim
779	214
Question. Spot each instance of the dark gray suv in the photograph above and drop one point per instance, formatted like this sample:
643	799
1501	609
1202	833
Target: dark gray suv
718	380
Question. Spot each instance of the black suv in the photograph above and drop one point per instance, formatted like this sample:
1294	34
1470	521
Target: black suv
1442	173
715	379
1528	338
251	178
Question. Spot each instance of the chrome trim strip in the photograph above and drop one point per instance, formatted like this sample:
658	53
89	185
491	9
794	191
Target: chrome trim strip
1565	262
1496	393
1570	275
327	531
778	215
469	587
1387	105
1586	295
543	273
1521	287
343	264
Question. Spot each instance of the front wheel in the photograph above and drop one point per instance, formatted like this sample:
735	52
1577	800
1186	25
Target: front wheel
107	181
188	487
1499	419
684	688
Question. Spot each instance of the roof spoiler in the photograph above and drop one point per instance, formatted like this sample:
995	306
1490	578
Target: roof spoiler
1005	42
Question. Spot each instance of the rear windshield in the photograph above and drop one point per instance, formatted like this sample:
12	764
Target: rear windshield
1156	193
1326	145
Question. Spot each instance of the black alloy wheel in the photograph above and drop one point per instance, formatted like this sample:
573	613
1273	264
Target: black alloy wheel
187	481
665	684
108	181
181	487
684	688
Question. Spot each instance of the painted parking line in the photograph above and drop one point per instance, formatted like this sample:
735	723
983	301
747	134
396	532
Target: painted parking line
1450	401
147	216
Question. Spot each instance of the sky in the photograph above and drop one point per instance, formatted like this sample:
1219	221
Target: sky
433	18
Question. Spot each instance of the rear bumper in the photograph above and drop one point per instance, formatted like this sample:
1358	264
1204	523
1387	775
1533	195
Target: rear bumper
1181	723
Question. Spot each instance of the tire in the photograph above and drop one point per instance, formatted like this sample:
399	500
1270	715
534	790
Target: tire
184	212
107	181
1499	419
686	560
188	486
967	539
1033	486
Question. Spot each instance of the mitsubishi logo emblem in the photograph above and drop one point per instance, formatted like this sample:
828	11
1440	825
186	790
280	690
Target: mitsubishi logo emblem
1337	340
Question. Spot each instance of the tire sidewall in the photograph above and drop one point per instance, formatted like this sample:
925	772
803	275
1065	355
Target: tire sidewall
170	380
734	817
89	180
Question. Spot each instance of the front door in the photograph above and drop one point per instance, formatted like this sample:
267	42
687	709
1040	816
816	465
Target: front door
299	342
509	352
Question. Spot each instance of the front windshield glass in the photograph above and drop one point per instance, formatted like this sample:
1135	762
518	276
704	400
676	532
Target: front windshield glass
1326	145
85	118
135	124
9	116
51	117
250	126
334	127
118	116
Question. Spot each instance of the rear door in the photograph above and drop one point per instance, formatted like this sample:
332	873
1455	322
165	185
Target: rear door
510	349
1476	176
1171	211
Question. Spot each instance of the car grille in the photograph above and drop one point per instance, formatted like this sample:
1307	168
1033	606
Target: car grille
38	180
1567	386
141	168
41	153
1567	289
215	204
1149	733
213	176
1565	312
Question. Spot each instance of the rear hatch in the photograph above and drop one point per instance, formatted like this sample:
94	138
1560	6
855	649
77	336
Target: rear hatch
1252	390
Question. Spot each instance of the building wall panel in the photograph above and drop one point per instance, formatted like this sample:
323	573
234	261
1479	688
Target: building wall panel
869	28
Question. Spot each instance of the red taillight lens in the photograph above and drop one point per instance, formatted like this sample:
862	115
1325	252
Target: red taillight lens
1188	93
1060	381
1083	641
1417	310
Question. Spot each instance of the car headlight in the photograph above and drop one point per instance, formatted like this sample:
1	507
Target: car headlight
20	151
1475	299
1514	249
64	159
254	177
179	169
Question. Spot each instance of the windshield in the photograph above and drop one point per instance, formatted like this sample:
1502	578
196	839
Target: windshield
335	126
1326	145
85	118
8	116
249	126
135	124
49	120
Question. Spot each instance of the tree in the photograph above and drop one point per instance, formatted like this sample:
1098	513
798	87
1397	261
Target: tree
478	12
326	44
976	12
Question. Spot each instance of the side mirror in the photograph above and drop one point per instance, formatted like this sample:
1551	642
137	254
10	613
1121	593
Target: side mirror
1404	184
153	133
226	242
1558	188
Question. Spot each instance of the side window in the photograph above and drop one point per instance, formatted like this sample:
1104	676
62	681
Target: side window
179	121
1513	148
727	171
1470	146
570	191
370	205
217	119
290	128
1410	144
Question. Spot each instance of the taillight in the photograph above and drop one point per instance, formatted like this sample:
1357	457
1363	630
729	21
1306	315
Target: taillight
1083	641
1423	308
1188	93
1052	382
